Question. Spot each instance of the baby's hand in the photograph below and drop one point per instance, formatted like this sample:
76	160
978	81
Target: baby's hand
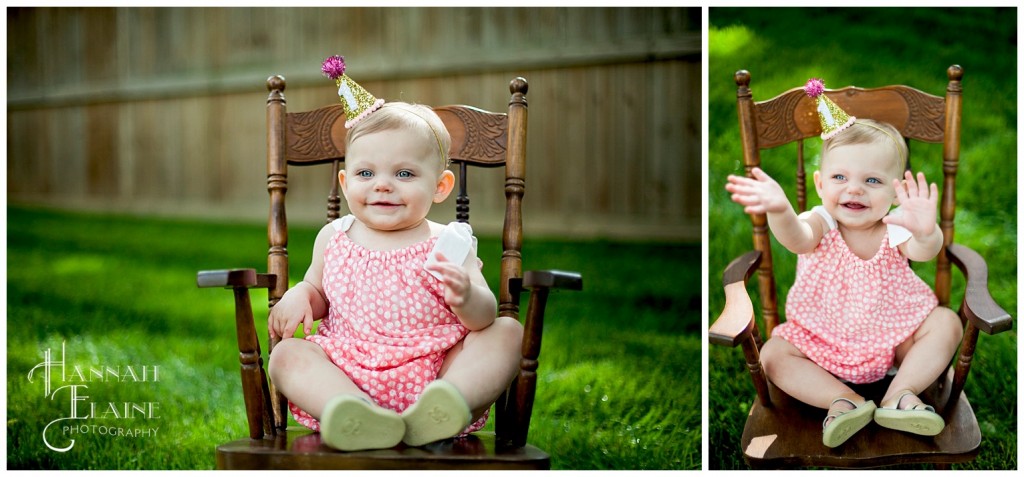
456	281
758	195
285	316
918	201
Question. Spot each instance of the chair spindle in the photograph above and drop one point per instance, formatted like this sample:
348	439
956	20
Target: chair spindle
462	200
801	178
333	200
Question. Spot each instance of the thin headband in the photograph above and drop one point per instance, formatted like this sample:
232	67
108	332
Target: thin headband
887	133
440	149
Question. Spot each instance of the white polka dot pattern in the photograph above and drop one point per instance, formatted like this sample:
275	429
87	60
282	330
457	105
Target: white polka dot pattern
847	314
388	327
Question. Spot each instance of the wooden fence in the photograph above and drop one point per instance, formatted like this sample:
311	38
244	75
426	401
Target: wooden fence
161	110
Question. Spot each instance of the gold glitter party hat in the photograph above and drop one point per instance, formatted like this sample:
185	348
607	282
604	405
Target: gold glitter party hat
833	118
357	102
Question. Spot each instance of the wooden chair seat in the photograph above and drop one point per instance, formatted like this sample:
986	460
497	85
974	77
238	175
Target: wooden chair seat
301	449
787	434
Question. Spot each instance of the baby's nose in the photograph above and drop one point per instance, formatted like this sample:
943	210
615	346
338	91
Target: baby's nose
382	183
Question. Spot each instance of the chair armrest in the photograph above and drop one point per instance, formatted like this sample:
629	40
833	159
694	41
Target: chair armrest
737	318
255	389
736	325
235	278
978	305
524	386
553	279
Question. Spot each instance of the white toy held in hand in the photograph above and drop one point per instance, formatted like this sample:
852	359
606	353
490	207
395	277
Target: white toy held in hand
455	243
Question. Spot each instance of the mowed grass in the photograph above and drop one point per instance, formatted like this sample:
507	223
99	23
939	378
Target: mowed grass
871	47
619	368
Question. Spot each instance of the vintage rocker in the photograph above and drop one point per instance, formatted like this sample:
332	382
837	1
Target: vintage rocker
782	432
479	138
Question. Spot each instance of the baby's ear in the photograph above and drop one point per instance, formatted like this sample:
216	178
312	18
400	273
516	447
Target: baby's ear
817	181
341	179
445	184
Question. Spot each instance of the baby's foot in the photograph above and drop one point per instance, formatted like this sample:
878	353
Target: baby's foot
906	401
441	412
349	424
845	418
909	414
839	406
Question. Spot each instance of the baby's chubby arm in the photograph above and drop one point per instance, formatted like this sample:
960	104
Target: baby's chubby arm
304	302
762	195
466	291
918	202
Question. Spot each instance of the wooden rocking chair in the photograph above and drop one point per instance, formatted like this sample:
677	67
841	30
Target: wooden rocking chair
479	138
781	432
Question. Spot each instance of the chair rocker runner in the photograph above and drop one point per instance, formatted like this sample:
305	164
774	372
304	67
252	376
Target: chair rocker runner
317	137
783	432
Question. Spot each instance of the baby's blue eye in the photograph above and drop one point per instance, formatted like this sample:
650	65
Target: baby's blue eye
364	173
839	177
405	174
874	180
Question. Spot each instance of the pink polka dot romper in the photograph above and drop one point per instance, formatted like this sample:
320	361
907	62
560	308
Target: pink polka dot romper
847	314
388	327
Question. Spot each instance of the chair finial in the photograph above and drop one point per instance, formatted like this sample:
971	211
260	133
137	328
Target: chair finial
518	85
742	78
275	82
955	73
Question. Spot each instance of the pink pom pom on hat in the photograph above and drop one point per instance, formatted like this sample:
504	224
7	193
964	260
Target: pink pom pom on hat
833	118
356	101
333	67
813	88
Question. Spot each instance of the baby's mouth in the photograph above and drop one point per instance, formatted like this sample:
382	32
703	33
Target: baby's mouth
853	206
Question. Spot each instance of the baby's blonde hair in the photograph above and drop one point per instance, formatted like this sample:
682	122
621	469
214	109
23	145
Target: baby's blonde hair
407	117
869	131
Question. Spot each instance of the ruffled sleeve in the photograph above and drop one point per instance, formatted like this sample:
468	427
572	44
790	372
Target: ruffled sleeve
820	210
344	223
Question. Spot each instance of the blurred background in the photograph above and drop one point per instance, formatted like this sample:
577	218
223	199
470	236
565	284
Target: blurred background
872	47
161	110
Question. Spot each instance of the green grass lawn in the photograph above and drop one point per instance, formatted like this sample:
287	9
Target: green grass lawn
867	47
619	368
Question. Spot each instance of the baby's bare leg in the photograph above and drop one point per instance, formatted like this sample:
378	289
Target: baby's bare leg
801	378
483	364
924	356
302	371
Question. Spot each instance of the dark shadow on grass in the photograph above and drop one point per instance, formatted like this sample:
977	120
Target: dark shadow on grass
32	315
161	242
